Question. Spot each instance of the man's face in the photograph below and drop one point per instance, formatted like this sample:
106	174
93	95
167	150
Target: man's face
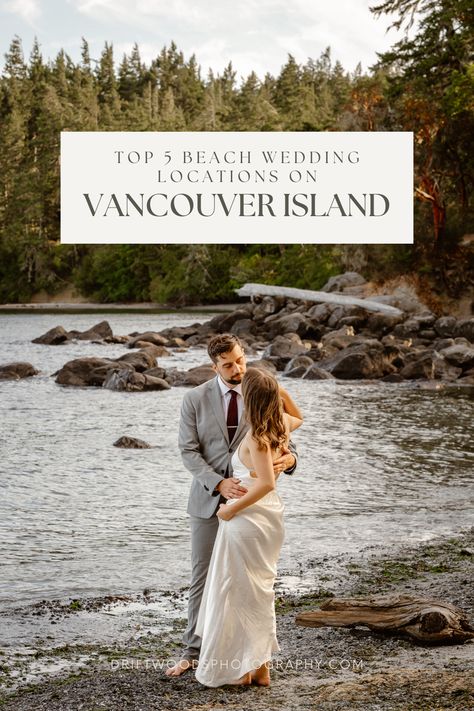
231	366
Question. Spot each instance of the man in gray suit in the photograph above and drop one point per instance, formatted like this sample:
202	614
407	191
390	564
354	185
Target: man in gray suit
210	431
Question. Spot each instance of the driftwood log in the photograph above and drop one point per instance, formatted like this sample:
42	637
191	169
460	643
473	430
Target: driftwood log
424	620
316	296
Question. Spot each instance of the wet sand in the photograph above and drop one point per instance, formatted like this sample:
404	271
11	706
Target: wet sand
325	668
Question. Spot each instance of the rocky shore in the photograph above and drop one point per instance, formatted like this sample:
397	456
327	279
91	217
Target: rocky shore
403	341
331	669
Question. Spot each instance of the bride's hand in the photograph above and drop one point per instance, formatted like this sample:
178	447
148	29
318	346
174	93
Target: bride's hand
225	512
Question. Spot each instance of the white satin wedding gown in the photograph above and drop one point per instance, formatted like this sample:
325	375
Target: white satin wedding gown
236	619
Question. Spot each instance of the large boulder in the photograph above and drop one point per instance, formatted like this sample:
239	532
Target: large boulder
283	349
381	324
316	373
96	333
445	326
182	332
365	361
139	360
222	323
342	281
17	371
465	329
298	362
320	313
54	337
344	312
87	372
192	377
263	364
295	322
267	306
422	367
243	328
150	337
130	381
459	355
156	351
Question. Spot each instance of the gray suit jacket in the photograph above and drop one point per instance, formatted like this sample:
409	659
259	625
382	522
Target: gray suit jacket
204	445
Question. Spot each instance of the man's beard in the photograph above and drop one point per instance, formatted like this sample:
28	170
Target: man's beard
233	381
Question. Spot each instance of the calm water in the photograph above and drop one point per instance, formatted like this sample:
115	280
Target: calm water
378	464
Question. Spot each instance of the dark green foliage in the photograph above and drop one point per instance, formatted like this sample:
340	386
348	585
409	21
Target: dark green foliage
425	84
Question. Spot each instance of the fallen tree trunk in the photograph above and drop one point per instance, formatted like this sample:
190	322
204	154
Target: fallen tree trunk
423	620
316	296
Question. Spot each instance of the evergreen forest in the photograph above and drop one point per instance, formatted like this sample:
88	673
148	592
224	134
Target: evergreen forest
424	84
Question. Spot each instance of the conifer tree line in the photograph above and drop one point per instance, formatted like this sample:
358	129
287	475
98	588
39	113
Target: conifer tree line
424	84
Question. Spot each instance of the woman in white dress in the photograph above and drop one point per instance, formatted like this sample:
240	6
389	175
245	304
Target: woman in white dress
237	615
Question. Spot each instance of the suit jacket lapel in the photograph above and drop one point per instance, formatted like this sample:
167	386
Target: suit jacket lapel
215	398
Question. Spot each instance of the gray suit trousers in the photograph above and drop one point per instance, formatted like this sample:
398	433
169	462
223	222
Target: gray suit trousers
203	535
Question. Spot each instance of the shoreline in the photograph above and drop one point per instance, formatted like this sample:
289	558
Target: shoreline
89	307
324	668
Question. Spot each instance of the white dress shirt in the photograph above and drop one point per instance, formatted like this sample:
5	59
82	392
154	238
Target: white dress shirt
225	393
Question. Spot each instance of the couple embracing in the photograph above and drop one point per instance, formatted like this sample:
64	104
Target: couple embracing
234	438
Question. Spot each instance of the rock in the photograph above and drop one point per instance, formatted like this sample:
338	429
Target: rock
381	324
117	339
130	381
405	301
139	360
54	337
320	313
357	322
295	372
465	329
442	343
315	373
90	372
17	371
222	323
182	332
268	305
243	327
131	443
192	377
428	334
99	331
154	383
177	342
444	370
156	351
291	323
459	355
342	281
407	329
298	362
150	337
345	312
360	361
445	326
423	367
343	331
284	347
262	363
392	378
157	372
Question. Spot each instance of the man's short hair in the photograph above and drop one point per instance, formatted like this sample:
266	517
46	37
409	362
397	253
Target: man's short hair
223	343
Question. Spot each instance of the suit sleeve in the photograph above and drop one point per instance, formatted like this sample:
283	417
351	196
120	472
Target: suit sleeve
293	450
190	449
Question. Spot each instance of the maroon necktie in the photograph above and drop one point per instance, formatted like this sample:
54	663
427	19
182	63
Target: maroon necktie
232	416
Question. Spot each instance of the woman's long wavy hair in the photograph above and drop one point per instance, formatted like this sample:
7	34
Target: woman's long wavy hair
264	408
